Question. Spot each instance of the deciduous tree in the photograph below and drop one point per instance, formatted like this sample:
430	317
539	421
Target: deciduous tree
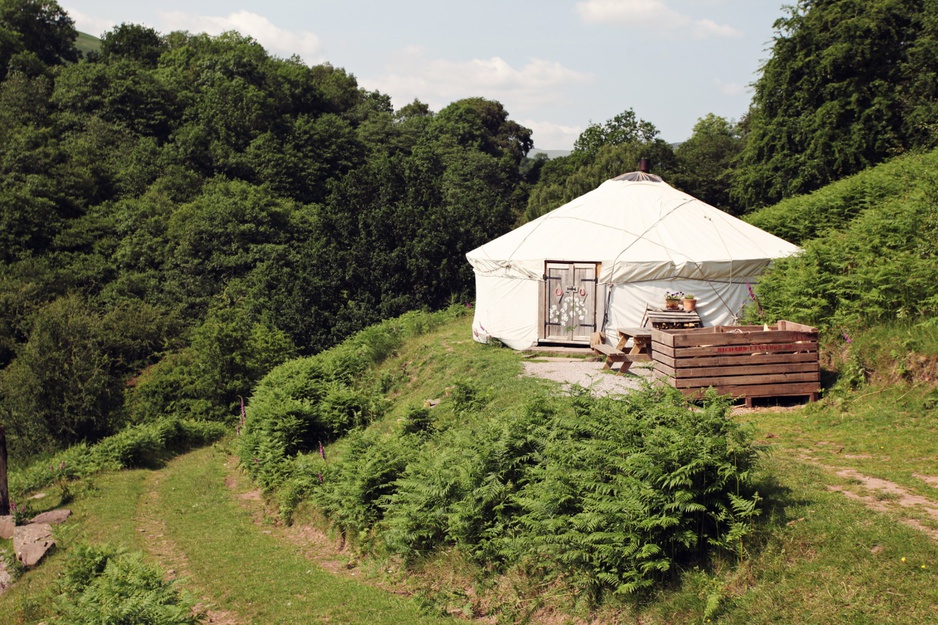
848	84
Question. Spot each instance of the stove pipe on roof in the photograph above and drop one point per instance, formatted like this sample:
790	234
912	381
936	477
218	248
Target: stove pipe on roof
644	165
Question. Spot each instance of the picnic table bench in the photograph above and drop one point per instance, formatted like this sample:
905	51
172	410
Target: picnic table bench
612	354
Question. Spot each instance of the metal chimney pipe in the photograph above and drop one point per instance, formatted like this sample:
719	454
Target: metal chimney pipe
644	165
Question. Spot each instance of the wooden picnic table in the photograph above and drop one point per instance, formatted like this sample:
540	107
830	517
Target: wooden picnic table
641	343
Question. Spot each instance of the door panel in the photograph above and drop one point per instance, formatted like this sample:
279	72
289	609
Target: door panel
570	307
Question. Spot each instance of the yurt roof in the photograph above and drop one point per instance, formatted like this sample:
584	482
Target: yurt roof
639	228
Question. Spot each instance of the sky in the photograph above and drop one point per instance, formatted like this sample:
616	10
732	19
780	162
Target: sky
556	66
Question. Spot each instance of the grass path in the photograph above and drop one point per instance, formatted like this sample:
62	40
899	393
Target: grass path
193	524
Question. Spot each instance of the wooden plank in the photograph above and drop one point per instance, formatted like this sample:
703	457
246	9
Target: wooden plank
607	350
769	390
746	380
742	369
660	336
736	360
729	350
791	325
723	339
800	346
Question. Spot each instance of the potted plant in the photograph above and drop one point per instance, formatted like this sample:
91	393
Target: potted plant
690	302
672	299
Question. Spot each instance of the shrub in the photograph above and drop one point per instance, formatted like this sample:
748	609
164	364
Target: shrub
460	490
316	399
610	494
633	487
880	268
103	586
869	249
135	446
354	489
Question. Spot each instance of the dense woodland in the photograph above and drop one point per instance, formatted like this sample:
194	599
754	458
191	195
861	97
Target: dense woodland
180	212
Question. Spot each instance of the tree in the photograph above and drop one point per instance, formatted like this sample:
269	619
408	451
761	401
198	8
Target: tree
58	389
849	83
133	41
483	125
601	152
624	128
705	160
231	227
36	27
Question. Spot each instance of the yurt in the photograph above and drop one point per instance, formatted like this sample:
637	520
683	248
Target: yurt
600	261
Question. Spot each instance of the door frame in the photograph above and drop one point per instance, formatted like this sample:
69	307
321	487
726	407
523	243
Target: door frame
590	325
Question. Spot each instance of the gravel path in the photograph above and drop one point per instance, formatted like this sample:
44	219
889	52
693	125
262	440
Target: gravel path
589	374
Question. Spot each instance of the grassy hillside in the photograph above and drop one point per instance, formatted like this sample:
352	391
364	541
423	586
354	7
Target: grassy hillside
847	531
87	43
870	250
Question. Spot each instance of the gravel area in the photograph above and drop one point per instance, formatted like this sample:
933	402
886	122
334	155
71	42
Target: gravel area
588	374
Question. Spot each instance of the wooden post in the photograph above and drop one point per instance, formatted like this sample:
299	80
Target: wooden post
4	486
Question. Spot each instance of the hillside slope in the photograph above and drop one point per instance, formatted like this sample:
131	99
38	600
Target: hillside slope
847	534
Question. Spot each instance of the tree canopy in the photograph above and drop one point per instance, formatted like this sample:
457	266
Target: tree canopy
258	206
35	30
849	83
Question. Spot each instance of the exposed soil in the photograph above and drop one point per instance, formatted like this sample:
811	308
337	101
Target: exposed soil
885	496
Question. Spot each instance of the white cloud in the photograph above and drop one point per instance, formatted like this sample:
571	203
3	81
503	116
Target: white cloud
551	136
707	28
638	12
438	82
731	88
273	38
651	14
89	24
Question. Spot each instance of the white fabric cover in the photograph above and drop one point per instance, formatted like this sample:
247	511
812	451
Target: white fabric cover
649	238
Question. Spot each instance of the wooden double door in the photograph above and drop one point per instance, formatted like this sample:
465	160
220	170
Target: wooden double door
571	291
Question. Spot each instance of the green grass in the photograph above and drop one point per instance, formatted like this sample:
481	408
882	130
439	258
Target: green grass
230	562
103	512
87	43
242	569
836	562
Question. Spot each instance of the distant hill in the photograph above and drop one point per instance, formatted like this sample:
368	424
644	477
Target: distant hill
87	43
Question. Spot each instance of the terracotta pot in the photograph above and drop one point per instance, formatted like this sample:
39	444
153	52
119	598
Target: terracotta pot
671	304
690	304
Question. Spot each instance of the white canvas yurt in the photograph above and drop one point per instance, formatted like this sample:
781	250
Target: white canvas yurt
598	261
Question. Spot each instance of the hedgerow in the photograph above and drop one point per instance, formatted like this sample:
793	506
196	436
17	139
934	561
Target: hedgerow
135	446
880	266
306	402
832	208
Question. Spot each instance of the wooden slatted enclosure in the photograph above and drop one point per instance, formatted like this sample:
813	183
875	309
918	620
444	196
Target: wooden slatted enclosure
742	361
